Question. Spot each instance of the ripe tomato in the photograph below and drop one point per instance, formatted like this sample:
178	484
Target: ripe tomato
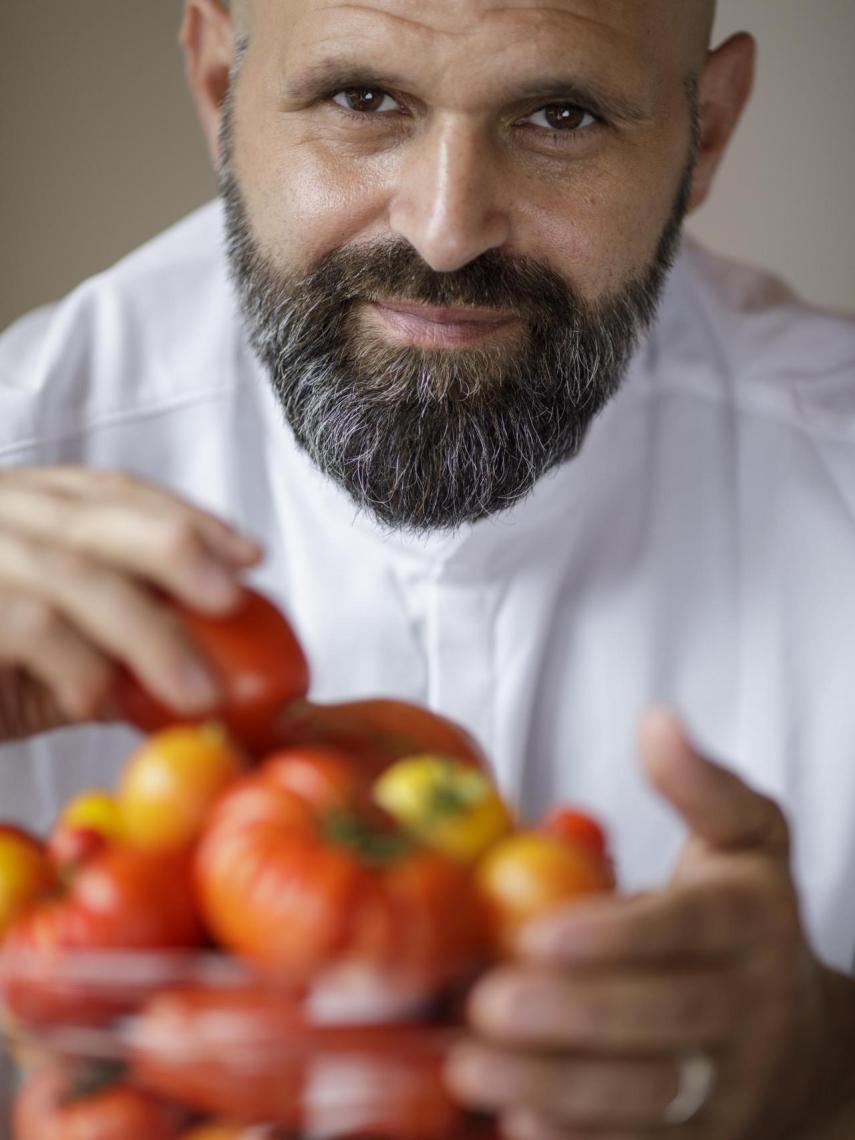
171	782
324	777
123	900
529	874
252	1054
26	873
61	1104
221	1130
302	887
575	826
70	847
376	732
260	665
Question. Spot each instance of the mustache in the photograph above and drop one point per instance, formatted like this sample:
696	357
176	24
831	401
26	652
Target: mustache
393	270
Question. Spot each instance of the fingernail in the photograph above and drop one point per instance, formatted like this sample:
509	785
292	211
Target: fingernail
217	587
549	937
196	686
245	548
466	1070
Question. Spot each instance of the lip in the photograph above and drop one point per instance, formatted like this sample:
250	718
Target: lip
433	326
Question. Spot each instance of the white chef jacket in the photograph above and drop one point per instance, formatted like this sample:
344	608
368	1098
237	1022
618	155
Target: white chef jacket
699	552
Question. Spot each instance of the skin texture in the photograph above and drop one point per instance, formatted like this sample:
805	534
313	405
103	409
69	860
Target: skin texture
617	990
456	178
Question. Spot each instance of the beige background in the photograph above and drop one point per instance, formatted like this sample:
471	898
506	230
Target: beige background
100	150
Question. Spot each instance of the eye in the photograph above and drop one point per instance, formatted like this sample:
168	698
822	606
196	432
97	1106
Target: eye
365	100
565	117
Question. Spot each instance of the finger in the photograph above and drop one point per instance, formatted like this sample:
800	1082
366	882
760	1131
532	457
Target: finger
713	920
35	636
119	488
120	618
525	1124
643	1013
584	1093
167	549
717	806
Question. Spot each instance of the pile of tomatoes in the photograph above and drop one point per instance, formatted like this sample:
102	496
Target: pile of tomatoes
273	919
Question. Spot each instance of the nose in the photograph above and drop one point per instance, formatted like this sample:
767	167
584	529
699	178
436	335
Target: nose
447	201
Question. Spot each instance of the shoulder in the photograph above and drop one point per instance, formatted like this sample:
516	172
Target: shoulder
737	336
152	330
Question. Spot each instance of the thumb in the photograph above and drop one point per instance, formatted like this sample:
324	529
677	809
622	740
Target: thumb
715	803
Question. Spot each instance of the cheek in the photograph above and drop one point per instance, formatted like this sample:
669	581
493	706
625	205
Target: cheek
601	225
302	198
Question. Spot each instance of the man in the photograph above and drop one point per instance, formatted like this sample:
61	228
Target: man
487	479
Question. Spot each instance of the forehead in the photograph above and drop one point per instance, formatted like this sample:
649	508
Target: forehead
469	51
640	26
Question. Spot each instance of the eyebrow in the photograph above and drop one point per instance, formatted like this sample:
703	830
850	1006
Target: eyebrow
331	75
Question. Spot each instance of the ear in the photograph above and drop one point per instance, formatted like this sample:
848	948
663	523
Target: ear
208	43
724	89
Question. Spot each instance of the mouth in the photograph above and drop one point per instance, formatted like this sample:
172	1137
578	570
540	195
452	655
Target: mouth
429	326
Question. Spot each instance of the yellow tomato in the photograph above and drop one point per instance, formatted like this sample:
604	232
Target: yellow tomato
450	806
25	873
171	782
93	810
529	874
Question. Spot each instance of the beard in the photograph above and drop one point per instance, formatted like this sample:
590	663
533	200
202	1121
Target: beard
429	439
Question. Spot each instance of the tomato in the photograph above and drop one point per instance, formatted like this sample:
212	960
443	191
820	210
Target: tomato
575	826
171	782
376	732
70	847
528	874
258	660
451	806
95	809
89	823
324	777
220	1130
302	887
26	872
123	900
252	1054
62	1104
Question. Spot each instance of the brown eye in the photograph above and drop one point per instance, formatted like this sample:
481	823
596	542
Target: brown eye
363	99
565	116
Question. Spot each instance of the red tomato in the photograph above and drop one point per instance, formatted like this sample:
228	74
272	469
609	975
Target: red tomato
576	826
260	665
26	872
57	1104
376	732
302	888
324	777
221	1130
123	900
252	1055
70	847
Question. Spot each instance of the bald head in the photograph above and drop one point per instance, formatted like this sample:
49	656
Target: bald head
693	18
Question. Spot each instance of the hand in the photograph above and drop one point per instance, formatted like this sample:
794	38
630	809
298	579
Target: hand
584	1037
83	554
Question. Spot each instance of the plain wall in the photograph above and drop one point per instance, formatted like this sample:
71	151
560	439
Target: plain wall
100	150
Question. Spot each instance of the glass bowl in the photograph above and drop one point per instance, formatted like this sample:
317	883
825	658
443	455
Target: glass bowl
195	1046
